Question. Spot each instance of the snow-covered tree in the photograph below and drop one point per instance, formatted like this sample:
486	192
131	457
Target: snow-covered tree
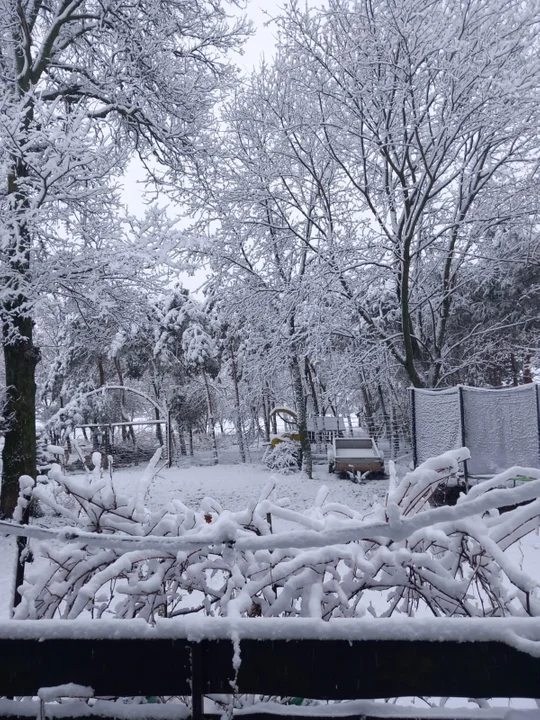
430	112
82	85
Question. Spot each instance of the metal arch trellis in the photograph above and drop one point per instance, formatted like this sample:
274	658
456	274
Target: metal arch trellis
163	412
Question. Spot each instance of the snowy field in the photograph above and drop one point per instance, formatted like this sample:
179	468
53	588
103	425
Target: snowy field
234	485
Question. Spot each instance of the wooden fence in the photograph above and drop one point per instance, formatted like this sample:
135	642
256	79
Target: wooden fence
308	668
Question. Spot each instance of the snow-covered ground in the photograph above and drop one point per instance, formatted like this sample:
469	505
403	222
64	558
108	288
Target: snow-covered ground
234	485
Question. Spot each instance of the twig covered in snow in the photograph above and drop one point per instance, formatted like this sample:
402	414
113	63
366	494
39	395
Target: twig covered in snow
123	561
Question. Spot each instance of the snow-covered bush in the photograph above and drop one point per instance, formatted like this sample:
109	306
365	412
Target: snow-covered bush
283	455
120	560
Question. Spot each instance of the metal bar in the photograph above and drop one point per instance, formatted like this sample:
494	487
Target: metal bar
120	424
412	404
463	433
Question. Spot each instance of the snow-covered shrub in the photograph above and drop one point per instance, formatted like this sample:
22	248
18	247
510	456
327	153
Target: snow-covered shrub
120	560
283	455
44	458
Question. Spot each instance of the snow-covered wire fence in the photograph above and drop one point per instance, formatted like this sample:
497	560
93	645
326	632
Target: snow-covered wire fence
500	427
225	531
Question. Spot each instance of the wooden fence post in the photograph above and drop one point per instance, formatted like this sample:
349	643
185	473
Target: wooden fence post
197	695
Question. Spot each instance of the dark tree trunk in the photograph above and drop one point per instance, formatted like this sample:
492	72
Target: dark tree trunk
101	371
159	432
273	421
238	410
19	455
527	370
211	419
311	382
368	411
386	417
349	423
20	354
266	414
301	403
515	370
191	441
126	431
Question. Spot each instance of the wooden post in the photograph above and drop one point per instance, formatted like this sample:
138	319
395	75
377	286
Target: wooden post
197	696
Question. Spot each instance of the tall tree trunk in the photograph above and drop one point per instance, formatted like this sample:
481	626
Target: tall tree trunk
19	454
368	411
515	370
126	431
101	371
238	411
386	417
301	406
211	419
20	354
349	423
309	377
159	432
266	412
273	421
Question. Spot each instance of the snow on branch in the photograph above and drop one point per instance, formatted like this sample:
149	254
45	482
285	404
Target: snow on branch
120	560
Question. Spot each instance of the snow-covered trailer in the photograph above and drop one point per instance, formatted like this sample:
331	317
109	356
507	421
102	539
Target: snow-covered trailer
355	455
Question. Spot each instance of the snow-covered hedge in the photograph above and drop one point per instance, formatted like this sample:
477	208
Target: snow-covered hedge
118	559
